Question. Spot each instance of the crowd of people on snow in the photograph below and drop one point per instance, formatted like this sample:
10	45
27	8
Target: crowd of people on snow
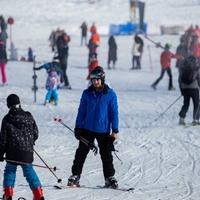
188	65
97	117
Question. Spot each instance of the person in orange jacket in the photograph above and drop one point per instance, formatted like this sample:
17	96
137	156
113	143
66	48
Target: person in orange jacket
165	61
93	28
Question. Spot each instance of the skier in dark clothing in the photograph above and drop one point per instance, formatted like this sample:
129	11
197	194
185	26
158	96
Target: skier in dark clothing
112	51
97	114
63	48
189	89
92	50
30	55
84	29
17	138
181	50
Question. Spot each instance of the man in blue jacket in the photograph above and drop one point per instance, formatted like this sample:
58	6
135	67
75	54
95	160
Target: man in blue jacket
97	116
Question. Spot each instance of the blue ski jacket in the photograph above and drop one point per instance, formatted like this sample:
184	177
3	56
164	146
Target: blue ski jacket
98	111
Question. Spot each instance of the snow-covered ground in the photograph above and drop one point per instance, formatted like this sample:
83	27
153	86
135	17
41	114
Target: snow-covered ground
161	159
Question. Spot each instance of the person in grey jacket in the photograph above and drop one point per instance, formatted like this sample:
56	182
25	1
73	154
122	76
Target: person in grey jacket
189	87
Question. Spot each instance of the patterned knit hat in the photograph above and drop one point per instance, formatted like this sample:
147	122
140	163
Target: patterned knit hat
12	100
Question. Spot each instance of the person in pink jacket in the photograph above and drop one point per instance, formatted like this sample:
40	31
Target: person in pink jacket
3	61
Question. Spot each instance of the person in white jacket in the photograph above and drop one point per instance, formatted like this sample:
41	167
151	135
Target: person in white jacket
137	52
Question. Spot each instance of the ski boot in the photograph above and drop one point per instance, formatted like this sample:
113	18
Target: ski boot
171	88
153	86
181	121
73	181
38	194
195	122
111	182
8	193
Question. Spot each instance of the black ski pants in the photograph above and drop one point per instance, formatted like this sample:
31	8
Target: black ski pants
137	60
194	95
169	72
104	150
63	58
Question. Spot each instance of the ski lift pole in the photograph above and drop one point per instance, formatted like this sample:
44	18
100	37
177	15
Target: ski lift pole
34	88
150	57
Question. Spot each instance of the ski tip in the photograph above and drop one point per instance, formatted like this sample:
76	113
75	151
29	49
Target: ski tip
57	187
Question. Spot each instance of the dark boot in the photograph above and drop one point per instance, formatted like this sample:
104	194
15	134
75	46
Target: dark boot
73	180
111	182
38	194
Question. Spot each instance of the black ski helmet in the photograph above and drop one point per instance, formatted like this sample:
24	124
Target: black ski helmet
98	73
12	100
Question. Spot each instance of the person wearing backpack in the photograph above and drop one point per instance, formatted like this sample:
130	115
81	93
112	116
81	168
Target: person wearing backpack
189	83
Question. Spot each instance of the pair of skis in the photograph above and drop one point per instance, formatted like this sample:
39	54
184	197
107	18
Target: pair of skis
128	189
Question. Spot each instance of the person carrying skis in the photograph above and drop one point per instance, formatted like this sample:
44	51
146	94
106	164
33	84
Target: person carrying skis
52	87
17	138
165	61
189	83
97	113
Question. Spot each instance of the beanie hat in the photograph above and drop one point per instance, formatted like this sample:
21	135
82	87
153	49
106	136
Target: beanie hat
167	46
12	100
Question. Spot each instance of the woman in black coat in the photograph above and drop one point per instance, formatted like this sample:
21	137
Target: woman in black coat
112	52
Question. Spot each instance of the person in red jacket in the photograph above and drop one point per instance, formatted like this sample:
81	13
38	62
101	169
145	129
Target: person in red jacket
165	61
92	65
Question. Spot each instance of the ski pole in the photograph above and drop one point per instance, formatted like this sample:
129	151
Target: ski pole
167	109
86	142
25	163
58	179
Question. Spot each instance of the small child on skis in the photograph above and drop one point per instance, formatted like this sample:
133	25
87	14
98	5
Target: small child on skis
52	87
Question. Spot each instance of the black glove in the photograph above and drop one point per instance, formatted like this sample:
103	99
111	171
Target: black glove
1	159
109	142
77	133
